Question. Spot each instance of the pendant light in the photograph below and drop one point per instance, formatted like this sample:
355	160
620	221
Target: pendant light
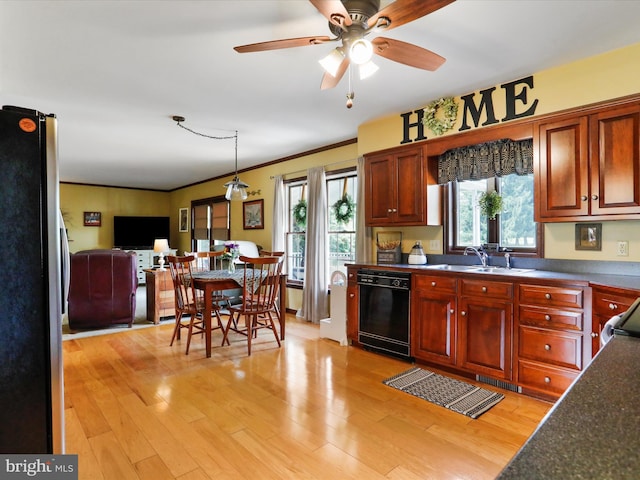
236	188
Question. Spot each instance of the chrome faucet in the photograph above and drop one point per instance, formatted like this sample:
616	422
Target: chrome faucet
482	255
507	260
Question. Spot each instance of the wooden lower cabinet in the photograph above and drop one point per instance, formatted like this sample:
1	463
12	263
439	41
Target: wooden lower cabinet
607	302
485	328
352	304
552	344
160	296
433	310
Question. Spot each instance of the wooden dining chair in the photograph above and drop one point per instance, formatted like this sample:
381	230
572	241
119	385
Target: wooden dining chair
189	301
268	253
261	284
205	261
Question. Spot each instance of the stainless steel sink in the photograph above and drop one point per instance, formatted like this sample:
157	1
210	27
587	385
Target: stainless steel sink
480	269
501	270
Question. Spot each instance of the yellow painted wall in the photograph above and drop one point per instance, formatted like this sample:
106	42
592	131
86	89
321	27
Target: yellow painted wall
259	179
77	199
602	77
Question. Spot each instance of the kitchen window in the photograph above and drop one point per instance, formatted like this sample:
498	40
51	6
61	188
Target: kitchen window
513	228
342	235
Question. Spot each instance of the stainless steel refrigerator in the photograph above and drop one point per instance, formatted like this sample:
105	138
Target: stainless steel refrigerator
31	379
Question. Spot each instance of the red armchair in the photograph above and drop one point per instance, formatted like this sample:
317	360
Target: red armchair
102	289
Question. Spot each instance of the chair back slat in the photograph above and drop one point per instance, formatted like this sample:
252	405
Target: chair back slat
204	261
186	296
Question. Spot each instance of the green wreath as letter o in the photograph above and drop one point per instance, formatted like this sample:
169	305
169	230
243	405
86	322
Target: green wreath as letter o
449	112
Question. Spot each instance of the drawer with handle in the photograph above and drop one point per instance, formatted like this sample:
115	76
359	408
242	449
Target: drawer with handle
555	347
544	377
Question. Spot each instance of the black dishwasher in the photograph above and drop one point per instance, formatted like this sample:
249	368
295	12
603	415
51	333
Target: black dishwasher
383	320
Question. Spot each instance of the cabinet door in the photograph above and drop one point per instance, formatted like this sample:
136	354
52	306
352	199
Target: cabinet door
411	190
562	180
352	312
434	328
485	336
380	190
615	161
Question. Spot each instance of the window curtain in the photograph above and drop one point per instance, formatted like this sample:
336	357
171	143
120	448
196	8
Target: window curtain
486	160
364	237
279	217
316	258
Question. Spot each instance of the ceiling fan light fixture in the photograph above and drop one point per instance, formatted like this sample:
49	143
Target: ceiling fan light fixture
361	51
367	69
331	63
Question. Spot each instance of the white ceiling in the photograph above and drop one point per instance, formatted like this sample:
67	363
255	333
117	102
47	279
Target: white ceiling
115	72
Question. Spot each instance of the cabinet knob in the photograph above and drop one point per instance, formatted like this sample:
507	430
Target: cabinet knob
463	313
547	347
547	317
594	197
484	289
547	296
594	335
433	284
351	295
452	311
613	306
584	198
547	380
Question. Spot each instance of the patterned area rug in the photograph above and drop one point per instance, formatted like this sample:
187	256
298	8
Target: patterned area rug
461	397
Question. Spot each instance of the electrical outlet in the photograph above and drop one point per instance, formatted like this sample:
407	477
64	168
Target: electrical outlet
434	244
623	248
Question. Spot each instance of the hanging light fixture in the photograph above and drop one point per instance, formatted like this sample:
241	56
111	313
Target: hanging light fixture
236	188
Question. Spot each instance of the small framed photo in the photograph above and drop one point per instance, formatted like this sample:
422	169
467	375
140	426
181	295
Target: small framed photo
92	219
183	219
588	236
253	214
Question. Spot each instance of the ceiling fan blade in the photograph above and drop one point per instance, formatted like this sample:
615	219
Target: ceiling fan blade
407	53
405	11
333	10
329	81
285	43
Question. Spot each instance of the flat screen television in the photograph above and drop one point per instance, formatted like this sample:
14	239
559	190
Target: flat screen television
139	233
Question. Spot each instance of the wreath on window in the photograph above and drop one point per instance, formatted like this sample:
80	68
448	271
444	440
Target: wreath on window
344	209
300	213
449	109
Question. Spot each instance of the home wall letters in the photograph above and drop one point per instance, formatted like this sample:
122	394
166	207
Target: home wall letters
514	92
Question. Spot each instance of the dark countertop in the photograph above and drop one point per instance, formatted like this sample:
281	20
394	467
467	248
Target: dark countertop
593	431
543	270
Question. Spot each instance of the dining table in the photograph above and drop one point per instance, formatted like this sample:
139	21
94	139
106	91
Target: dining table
216	280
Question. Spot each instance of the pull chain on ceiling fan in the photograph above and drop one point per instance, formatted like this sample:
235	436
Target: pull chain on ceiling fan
350	21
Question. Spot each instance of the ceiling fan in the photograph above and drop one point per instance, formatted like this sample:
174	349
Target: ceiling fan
350	21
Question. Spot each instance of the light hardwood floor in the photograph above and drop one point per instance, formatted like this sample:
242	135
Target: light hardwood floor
136	408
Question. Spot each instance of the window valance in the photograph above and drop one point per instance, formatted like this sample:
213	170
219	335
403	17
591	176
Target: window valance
486	160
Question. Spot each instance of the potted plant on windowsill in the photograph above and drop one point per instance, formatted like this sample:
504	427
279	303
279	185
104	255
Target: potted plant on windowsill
490	204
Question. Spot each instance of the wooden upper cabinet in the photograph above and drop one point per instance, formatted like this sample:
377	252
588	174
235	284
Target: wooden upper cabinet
589	166
562	181
395	188
615	161
401	189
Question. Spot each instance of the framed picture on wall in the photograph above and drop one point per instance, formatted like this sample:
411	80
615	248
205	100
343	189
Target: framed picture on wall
183	219
588	236
252	213
92	219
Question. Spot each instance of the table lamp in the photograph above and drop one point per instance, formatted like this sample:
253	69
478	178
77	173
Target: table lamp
160	246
